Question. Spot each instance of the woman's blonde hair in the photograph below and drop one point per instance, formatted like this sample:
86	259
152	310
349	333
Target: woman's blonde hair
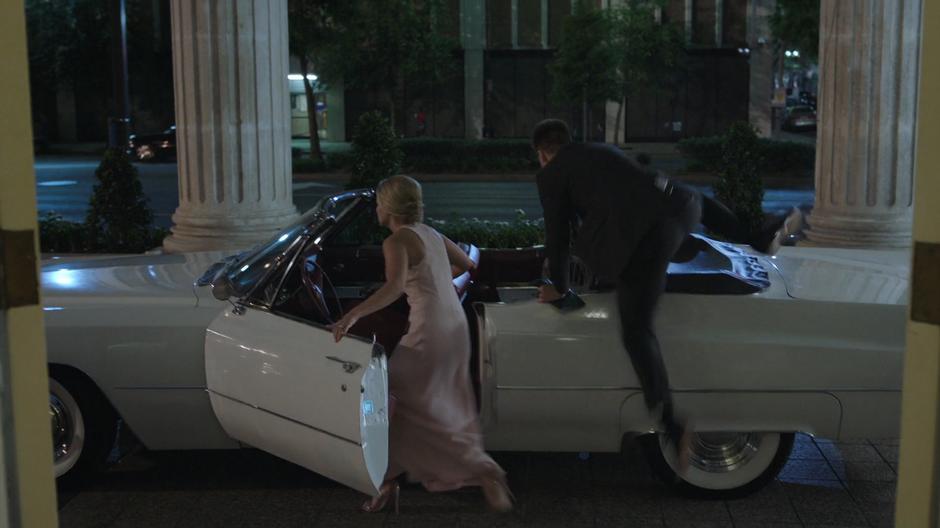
401	196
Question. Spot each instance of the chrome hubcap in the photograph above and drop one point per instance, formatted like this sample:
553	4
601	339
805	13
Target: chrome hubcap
63	428
723	452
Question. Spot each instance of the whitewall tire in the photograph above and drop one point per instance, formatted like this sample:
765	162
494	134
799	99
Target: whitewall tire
84	425
723	465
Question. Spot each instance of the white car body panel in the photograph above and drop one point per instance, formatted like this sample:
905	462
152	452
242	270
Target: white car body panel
818	351
285	387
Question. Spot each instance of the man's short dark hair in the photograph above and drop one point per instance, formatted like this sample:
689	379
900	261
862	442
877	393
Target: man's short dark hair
550	135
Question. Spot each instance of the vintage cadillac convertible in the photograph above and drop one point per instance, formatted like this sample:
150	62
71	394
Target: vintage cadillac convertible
204	351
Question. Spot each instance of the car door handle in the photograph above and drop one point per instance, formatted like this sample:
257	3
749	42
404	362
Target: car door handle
348	366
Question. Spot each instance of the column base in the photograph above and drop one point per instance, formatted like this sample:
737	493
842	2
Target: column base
887	231
238	229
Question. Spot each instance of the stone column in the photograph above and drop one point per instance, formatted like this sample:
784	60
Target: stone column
869	54
230	66
473	38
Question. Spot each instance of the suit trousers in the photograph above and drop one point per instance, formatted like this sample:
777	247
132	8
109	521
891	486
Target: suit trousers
639	288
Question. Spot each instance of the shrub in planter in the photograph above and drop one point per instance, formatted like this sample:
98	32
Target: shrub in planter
454	155
778	157
57	235
376	154
119	219
739	184
518	233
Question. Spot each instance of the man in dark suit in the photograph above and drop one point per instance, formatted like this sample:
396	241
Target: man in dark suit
630	222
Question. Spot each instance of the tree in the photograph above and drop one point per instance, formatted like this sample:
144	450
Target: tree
795	24
376	154
649	52
584	68
739	183
392	41
314	26
118	215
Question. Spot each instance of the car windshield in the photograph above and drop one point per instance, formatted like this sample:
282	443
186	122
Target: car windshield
248	268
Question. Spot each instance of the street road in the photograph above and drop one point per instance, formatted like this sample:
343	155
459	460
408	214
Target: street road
64	185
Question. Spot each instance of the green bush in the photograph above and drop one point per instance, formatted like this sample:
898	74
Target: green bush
520	232
57	235
376	154
778	157
119	219
433	155
739	184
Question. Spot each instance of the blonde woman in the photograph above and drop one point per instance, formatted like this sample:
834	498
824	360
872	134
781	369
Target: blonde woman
434	434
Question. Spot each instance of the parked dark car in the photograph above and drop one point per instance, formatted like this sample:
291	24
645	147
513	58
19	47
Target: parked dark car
153	147
800	118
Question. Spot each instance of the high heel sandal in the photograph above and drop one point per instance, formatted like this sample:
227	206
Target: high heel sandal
497	494
378	503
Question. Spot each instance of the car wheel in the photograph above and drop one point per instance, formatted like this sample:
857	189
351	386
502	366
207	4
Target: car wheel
722	465
83	426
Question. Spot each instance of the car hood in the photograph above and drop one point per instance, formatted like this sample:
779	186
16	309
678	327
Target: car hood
845	275
156	277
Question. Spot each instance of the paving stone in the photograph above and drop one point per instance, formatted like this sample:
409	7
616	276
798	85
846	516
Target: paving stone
639	503
850	452
807	470
871	471
873	496
762	524
768	504
618	520
490	520
555	504
226	509
421	520
156	509
698	524
880	519
891	453
556	521
681	509
350	520
93	509
805	449
823	505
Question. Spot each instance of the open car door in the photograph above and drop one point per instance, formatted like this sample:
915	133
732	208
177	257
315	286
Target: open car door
284	386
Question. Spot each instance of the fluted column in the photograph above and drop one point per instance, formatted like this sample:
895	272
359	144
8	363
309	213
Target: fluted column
869	53
230	66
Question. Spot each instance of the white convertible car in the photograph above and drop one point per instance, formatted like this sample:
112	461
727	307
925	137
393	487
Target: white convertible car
204	351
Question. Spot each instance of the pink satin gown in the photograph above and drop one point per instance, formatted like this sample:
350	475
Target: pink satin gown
434	434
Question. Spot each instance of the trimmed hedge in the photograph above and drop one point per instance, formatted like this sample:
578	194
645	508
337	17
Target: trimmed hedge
437	155
57	235
776	156
518	233
431	155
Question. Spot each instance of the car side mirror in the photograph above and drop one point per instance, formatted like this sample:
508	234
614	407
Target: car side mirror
222	288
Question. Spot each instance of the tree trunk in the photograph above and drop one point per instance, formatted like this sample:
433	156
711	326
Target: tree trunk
617	127
584	116
315	152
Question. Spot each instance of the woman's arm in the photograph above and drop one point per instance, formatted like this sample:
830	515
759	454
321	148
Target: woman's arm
396	273
459	261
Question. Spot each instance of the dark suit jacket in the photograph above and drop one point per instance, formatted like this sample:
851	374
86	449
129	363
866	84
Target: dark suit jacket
610	202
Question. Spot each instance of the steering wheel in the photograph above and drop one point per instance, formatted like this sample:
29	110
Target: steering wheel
313	279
